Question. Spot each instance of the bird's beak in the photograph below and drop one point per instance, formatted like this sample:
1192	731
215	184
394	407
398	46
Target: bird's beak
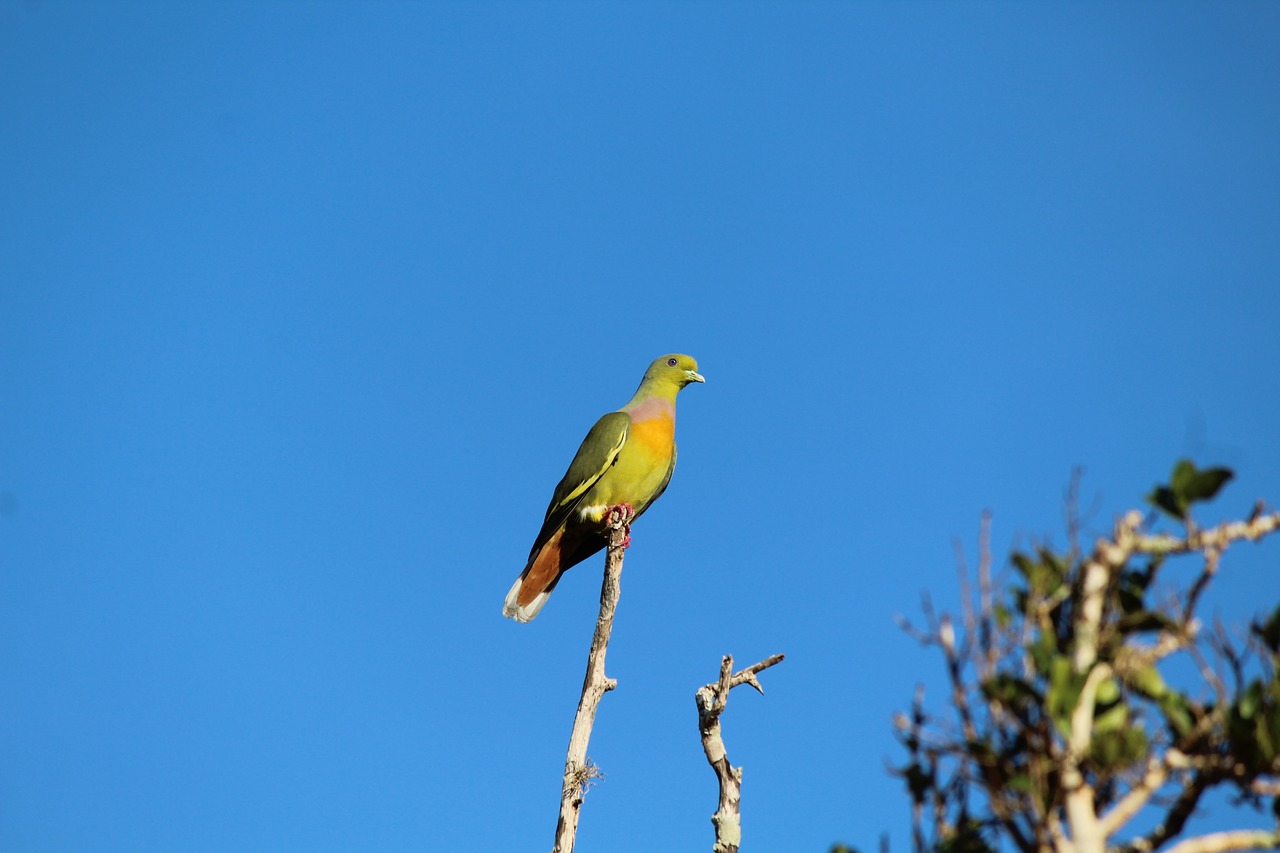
694	376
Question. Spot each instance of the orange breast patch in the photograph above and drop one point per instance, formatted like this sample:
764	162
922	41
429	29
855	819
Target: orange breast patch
655	434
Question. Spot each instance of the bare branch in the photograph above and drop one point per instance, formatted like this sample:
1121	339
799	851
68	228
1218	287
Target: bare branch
1213	538
1139	795
986	643
711	700
1266	787
1175	819
578	772
1224	842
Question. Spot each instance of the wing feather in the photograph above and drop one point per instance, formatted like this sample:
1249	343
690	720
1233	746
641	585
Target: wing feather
597	453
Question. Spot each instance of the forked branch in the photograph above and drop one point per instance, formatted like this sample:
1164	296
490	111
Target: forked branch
711	700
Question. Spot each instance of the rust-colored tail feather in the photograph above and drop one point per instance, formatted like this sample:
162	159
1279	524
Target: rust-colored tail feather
535	583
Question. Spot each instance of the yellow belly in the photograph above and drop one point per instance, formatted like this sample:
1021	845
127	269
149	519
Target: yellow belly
639	471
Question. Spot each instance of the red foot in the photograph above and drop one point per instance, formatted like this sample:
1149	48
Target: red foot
621	514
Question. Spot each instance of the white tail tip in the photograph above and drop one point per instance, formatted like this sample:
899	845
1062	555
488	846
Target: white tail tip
522	614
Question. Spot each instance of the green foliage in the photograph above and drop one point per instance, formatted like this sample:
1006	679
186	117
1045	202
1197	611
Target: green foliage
1269	632
920	781
1114	750
1064	692
1186	486
969	837
1254	727
991	777
1178	711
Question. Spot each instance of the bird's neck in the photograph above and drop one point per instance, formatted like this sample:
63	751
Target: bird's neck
644	406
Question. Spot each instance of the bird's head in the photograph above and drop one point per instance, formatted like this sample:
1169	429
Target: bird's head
674	369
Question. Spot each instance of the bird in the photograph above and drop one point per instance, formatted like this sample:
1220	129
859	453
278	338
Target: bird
624	463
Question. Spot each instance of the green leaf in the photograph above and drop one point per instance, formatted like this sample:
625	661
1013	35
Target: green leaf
1023	564
1011	691
1064	691
1115	717
1177	711
1187	485
1119	748
1250	701
1144	620
1044	574
1109	712
1205	485
1131	592
919	781
981	750
1269	632
1183	474
1164	498
1148	682
1043	650
1273	715
1056	563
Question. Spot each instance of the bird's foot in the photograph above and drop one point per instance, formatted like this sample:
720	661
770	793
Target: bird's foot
619	518
621	514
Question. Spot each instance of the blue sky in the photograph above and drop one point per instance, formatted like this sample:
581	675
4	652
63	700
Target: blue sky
304	308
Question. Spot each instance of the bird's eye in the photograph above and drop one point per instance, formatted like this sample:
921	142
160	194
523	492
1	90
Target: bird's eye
671	362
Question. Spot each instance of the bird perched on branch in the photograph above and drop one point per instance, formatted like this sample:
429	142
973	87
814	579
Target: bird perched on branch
624	464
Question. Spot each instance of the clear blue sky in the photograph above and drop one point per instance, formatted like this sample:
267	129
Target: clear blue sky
304	308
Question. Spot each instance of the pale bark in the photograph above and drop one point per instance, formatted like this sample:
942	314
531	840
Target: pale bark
1225	842
578	770
711	700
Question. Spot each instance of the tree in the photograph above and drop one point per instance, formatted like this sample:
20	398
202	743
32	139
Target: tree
1065	722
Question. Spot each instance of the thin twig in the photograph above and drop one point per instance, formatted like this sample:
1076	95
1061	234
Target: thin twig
988	659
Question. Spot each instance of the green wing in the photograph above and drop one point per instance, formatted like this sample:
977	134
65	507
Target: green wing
596	455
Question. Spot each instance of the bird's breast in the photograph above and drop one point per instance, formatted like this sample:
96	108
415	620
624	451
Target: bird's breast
655	436
639	471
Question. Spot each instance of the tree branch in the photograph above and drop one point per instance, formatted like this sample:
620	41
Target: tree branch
1107	557
1086	830
711	700
1223	842
1175	818
578	771
1157	772
1130	750
1213	538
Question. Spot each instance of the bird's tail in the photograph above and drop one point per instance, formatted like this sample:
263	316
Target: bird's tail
532	589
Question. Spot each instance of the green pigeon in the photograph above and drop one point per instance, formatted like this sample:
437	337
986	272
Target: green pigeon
625	462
